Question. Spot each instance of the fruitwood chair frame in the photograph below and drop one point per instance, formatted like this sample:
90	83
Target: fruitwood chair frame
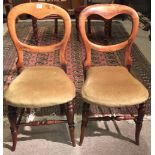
39	11
108	11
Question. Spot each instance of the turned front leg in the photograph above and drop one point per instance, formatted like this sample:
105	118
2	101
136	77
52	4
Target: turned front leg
139	121
85	114
12	116
70	119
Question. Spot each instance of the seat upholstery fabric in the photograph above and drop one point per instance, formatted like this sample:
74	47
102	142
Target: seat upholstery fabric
40	86
112	86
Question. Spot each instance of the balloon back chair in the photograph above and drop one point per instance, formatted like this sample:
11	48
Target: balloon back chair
111	86
39	86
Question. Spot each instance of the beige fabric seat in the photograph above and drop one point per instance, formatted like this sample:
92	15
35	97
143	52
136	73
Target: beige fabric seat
40	86
113	86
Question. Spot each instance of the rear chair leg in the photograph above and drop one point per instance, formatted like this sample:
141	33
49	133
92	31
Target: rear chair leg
89	26
139	121
62	109
35	29
85	114
20	118
107	30
77	27
56	26
70	119
12	116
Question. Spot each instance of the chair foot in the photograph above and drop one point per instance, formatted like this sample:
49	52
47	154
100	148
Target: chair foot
83	129
14	139
139	122
85	114
71	131
12	116
70	119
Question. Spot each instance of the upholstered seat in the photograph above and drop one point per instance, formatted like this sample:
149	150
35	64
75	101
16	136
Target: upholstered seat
113	86
40	86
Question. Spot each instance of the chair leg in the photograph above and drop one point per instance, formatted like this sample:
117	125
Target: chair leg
70	119
62	109
107	30
89	26
20	118
56	26
12	116
77	26
35	29
28	110
85	114
139	121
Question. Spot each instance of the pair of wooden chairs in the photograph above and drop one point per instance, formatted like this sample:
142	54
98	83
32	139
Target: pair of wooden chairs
44	86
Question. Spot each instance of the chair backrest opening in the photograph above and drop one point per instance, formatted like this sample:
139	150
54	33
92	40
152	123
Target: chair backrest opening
39	10
108	11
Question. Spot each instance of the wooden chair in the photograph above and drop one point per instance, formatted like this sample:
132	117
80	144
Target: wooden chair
65	4
111	86
108	23
39	86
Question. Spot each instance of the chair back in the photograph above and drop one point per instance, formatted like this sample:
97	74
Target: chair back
108	11
39	11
